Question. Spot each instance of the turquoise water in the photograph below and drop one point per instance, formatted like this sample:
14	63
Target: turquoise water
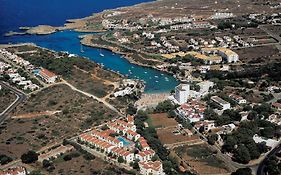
125	142
30	12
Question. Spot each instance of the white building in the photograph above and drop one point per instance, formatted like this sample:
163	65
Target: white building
151	168
238	99
220	102
205	87
182	93
269	142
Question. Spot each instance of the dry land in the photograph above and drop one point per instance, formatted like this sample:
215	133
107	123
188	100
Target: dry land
168	131
78	112
201	159
80	72
6	98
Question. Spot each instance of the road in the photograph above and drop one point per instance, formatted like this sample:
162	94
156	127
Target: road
20	98
262	164
94	97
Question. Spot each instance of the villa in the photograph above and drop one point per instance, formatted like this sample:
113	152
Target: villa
145	155
238	99
148	168
193	111
14	171
47	76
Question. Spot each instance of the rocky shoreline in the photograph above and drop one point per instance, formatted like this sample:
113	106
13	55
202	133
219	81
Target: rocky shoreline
86	40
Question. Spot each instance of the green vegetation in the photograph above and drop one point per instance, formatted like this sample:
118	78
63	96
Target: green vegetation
4	159
242	171
150	135
165	106
241	142
29	157
273	166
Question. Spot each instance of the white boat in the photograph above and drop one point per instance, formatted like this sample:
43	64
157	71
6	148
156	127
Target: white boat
145	72
156	76
102	55
81	49
156	81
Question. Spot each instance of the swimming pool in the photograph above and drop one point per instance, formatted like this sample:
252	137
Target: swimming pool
125	141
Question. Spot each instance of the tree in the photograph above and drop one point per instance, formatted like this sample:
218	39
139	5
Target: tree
242	171
131	110
46	163
29	157
271	166
67	157
268	132
165	106
121	159
242	154
5	159
212	139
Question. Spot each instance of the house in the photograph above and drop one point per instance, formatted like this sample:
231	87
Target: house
193	111
269	142
227	54
206	124
220	103
145	155
132	135
120	152
205	87
143	143
130	119
151	168
275	118
14	171
238	99
276	106
182	93
47	76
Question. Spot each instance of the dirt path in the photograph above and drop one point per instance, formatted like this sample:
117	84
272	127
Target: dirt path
35	114
93	96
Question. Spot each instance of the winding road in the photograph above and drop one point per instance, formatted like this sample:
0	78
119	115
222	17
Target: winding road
20	98
262	164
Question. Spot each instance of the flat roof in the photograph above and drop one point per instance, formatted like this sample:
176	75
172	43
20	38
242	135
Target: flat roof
219	100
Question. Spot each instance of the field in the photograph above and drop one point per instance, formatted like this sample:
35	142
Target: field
162	120
77	113
168	131
260	54
201	159
6	98
85	167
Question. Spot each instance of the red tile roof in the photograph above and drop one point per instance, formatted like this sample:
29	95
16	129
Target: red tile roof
151	165
46	73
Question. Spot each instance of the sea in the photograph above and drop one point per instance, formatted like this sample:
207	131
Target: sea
18	13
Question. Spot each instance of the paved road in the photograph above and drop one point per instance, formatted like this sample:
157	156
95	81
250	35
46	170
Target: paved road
20	98
262	164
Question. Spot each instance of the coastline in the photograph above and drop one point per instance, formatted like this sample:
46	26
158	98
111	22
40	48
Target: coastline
86	41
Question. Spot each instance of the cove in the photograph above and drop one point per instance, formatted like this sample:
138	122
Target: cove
155	81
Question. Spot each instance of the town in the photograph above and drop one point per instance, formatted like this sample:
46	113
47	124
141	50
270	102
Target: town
62	113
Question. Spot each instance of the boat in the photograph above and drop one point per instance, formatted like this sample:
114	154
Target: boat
156	81
145	72
102	55
156	76
81	49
